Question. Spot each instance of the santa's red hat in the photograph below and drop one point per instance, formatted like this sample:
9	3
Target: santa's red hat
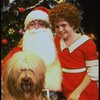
39	13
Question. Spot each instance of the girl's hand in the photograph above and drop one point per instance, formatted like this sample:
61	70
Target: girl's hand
74	95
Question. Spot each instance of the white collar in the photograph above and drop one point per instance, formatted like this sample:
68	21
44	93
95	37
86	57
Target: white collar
76	44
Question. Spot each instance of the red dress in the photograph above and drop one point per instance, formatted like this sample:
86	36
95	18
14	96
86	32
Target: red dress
77	56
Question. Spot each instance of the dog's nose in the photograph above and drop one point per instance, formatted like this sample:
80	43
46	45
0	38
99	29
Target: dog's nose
26	80
26	84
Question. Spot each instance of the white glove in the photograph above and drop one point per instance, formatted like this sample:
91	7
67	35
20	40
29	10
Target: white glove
93	72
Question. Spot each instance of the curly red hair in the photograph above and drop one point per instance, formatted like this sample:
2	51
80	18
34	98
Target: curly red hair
67	11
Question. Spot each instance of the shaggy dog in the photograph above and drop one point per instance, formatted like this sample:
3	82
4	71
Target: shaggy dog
24	77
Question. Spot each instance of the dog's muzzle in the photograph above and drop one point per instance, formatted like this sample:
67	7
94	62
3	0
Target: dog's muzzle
26	84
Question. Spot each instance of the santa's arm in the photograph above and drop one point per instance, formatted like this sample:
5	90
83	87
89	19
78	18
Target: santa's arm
9	55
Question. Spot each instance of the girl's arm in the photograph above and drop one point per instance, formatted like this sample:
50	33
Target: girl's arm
76	93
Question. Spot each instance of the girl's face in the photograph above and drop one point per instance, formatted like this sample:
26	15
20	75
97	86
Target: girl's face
63	29
37	24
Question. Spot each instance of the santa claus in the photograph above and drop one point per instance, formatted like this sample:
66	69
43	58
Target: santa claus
38	38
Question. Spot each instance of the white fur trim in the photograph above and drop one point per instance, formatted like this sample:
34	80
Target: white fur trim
36	15
53	78
91	63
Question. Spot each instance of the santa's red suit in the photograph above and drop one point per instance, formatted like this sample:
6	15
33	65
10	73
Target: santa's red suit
9	55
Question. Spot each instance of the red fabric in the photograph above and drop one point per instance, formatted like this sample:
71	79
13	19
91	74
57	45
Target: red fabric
42	9
9	55
74	60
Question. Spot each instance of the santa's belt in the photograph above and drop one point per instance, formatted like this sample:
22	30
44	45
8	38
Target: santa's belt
73	70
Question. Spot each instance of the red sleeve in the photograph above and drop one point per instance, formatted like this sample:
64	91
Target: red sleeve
90	51
9	55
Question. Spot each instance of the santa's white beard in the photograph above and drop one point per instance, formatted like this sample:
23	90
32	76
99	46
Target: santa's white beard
40	42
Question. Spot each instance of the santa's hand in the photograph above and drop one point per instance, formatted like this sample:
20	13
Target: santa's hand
93	73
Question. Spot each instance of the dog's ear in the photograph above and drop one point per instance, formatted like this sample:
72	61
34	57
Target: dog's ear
40	84
5	94
12	86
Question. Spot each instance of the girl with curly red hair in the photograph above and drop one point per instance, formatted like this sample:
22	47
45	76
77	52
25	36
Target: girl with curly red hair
77	53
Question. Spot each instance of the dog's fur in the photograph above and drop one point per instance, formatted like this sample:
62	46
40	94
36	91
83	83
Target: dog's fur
24	77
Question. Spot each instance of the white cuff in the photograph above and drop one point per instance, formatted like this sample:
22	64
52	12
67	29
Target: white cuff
90	63
93	72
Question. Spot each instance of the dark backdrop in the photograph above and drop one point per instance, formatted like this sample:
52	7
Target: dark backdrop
91	17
